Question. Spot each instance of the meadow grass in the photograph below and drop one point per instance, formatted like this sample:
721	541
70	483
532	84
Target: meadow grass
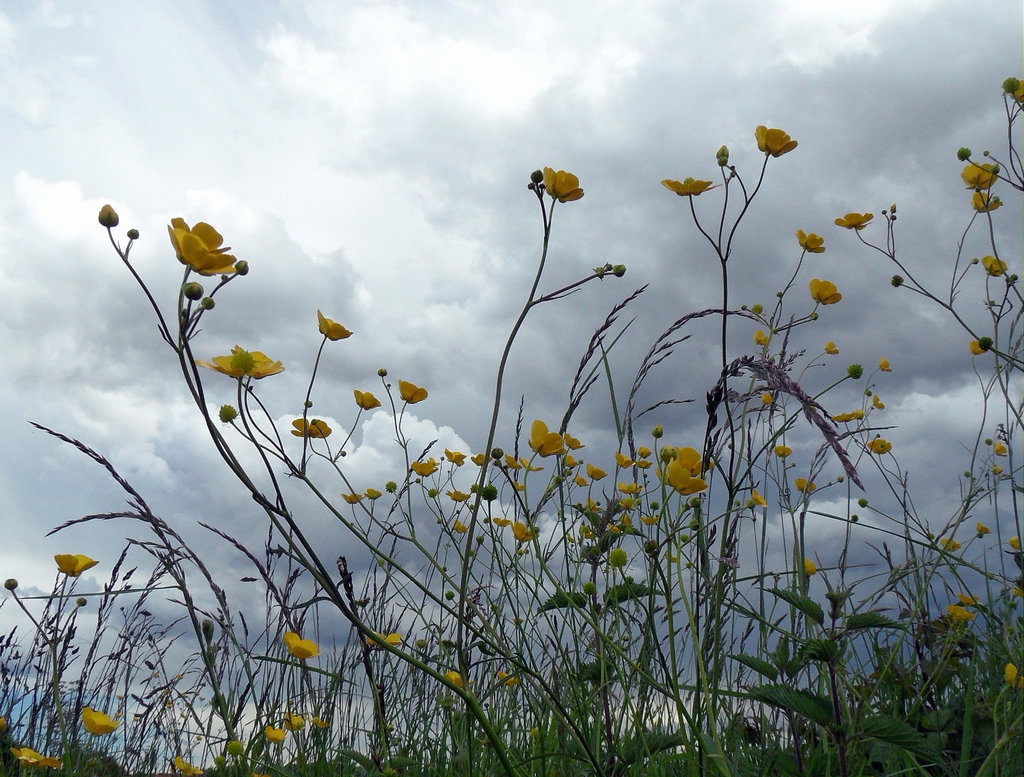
544	608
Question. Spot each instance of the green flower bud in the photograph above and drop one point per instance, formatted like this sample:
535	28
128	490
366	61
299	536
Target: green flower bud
651	548
862	502
590	588
619	270
855	371
489	492
192	290
382	372
985	343
241	267
449	595
757	308
432	492
618	558
657	432
963	154
1011	85
537	176
235	748
81	601
108	217
497	454
227	414
207	303
219	761
133	234
10	584
391	486
722	156
896	281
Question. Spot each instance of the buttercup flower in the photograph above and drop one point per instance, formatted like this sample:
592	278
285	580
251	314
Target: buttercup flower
1014	542
455	457
757	498
352	499
507	679
976	348
544	442
688	187
811	243
30	757
979	176
394	639
274	734
1012	676
522	532
876	402
985	202
293	722
760	338
824	292
809	567
425	468
299	647
373	493
97	723
831	348
956	612
457	496
883	365
365	399
948	543
200	248
254	364
803	484
563	186
982	529
782	451
314	428
854	221
842	418
880	446
184	767
332	330
681	473
595	473
993	266
451	675
410	392
773	141
74	564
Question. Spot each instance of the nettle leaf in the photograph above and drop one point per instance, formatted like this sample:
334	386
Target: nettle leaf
812	706
759	665
900	734
648	743
805	604
820	650
625	591
565	599
870	620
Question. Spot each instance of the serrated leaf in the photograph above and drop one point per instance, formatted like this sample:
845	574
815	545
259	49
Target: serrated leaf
648	743
805	604
819	650
815	708
870	620
623	592
900	734
759	665
565	599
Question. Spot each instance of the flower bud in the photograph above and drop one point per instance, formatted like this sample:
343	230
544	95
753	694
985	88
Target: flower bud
241	267
133	234
81	601
657	432
619	270
537	176
207	303
589	588
757	309
618	558
208	630
489	492
1011	85
192	290
497	454
963	154
10	584
855	371
391	486
108	217
382	372
862	502
722	156
227	413
985	343
235	748
896	281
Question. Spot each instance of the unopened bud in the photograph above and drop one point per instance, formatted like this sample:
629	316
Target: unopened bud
723	156
81	601
855	371
619	270
241	267
382	372
10	584
133	234
537	176
227	413
963	154
208	630
896	281
192	290
108	217
657	432
207	303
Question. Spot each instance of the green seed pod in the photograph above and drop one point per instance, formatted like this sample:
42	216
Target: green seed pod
963	154
855	371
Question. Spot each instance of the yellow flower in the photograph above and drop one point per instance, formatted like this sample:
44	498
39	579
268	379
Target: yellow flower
773	141
320	722
1014	542
998	448
30	757
394	639
580	481
522	532
758	499
352	499
976	348
512	462
502	522
681	473
293	722
629	488
802	484
967	600
876	401
809	567
623	460
948	543
455	457
200	248
854	220
993	266
373	493
457	496
985	202
544	442
299	647
332	330
883	365
979	177
315	428
274	734
824	292
982	529
454	678
956	612
563	186
643	451
649	520
811	243
425	468
255	364
507	679
478	458
761	338
569	461
410	392
595	473
572	443
365	399
782	451
74	564
97	723
183	766
1013	677
767	398
831	348
688	187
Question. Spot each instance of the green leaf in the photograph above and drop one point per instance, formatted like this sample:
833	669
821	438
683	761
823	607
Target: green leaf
870	620
900	734
565	599
648	743
806	605
625	591
812	706
820	650
759	665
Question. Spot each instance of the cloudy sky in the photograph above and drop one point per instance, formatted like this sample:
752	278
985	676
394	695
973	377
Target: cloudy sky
371	159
